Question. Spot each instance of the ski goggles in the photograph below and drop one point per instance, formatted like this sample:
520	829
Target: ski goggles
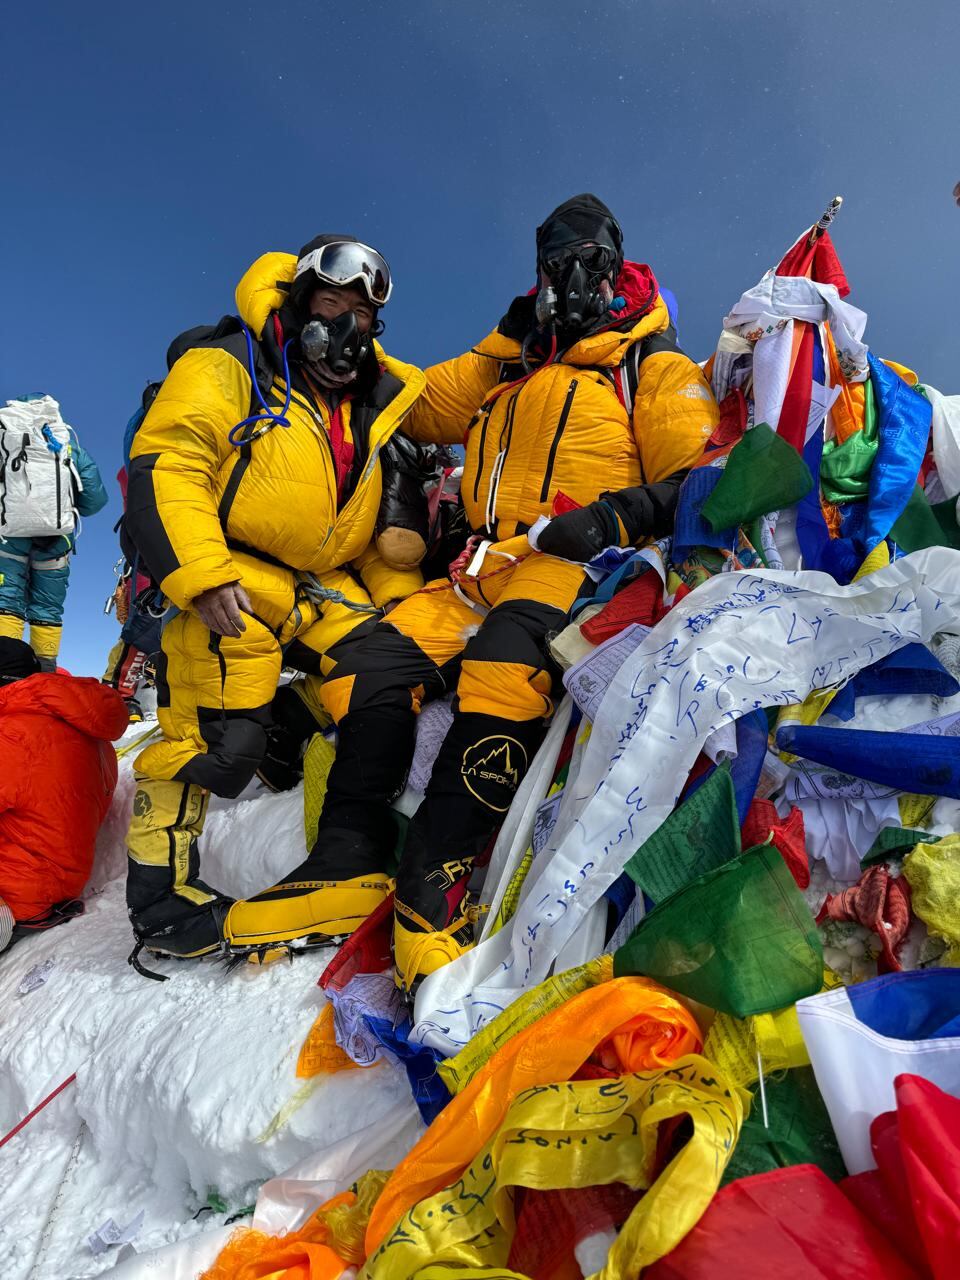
597	259
348	262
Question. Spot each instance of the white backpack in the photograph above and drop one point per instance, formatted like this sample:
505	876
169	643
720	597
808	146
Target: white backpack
39	480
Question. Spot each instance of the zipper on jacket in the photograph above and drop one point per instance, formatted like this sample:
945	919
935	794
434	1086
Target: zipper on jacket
555	445
483	442
317	415
506	438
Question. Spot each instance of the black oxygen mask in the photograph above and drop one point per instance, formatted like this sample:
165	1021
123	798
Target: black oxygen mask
572	276
335	346
580	299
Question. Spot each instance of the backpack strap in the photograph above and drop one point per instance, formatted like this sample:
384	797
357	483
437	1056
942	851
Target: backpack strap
228	335
628	372
13	461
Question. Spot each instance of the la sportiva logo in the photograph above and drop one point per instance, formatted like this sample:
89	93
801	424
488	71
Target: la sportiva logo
142	803
492	768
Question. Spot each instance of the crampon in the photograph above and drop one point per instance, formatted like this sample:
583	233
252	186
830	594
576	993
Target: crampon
264	953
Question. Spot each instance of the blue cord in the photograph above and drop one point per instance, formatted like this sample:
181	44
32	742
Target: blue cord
53	444
268	416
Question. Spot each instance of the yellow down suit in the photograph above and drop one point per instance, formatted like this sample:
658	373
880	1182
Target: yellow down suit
575	427
264	512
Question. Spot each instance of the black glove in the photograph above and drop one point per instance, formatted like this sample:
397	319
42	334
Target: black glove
615	520
647	510
520	318
582	534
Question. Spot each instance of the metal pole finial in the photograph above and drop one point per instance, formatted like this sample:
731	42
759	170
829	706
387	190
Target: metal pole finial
831	211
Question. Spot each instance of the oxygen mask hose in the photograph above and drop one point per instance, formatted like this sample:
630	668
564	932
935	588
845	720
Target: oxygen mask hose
268	418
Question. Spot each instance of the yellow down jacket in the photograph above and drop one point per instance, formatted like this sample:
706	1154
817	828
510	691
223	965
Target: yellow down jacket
565	429
193	497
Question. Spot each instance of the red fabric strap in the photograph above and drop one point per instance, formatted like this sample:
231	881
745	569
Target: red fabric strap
343	450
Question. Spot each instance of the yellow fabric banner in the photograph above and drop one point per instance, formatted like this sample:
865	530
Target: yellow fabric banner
511	895
933	871
652	1029
577	1134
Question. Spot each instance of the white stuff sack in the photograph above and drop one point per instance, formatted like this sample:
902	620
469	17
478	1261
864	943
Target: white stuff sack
38	478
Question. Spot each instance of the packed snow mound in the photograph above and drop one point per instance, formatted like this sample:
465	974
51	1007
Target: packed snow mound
177	1083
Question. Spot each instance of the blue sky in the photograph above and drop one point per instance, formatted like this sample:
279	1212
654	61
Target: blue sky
151	152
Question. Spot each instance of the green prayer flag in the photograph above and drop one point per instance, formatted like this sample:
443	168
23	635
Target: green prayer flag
894	842
763	473
945	514
798	1130
700	835
921	525
740	939
845	468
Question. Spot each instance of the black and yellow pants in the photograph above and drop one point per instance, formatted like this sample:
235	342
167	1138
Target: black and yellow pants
214	696
435	642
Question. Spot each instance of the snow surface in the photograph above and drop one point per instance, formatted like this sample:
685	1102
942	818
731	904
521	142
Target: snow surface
177	1082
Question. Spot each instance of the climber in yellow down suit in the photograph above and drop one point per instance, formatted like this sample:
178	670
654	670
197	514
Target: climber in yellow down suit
580	394
254	486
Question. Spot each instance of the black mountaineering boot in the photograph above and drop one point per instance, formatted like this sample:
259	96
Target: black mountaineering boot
185	923
293	727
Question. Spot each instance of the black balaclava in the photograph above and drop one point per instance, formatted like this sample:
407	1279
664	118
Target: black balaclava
17	661
581	218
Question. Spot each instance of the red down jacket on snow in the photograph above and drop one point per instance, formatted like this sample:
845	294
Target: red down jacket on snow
58	771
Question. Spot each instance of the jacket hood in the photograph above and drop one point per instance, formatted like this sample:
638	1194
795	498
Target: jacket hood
585	217
80	701
264	288
638	285
409	374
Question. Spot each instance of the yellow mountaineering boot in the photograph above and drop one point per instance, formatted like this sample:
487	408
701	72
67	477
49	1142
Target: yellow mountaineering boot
312	911
11	626
419	949
45	642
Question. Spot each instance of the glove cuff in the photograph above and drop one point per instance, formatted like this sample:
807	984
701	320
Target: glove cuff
625	519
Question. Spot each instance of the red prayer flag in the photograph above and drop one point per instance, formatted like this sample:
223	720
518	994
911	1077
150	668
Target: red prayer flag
367	950
640	601
795	412
818	262
793	1224
763	825
881	903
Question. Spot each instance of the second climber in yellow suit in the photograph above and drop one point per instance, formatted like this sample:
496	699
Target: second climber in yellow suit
254	487
582	394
